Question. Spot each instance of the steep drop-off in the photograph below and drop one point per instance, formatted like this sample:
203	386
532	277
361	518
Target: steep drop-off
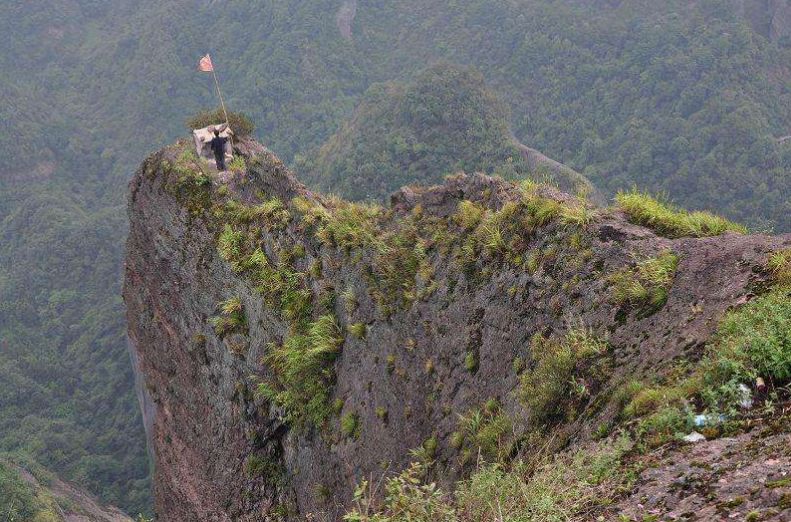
291	345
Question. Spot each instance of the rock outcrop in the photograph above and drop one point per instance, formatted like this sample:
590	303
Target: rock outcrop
415	314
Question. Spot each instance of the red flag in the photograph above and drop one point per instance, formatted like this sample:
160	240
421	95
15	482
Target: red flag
205	64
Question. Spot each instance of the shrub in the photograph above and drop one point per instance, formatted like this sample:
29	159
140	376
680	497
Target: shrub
240	123
668	221
753	341
406	499
646	286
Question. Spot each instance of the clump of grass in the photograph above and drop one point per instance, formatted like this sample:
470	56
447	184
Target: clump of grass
302	380
484	432
646	286
780	267
358	330
349	225
229	246
551	490
555	490
231	319
400	256
382	414
563	375
471	362
237	164
427	451
469	214
350	425
258	466
672	222
578	214
349	298
272	213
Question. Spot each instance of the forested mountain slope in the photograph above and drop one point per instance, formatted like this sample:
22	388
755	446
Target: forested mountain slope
29	493
443	122
683	97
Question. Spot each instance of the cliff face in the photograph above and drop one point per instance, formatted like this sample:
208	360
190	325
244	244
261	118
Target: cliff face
771	18
402	319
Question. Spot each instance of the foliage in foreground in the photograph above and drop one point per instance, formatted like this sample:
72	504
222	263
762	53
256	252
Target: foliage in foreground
666	220
20	501
551	491
752	341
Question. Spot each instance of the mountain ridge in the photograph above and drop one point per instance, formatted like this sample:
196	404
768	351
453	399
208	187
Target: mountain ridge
294	345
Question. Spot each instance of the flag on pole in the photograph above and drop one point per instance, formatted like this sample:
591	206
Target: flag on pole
205	64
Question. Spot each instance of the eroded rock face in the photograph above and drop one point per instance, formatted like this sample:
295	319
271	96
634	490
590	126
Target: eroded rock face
222	452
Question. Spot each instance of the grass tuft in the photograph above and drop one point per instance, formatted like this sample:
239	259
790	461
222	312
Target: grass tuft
302	381
780	267
669	221
350	425
358	330
564	375
646	286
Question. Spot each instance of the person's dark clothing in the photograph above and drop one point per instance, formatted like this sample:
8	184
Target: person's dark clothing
218	148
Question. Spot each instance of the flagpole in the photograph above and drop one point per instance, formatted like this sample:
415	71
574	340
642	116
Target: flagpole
219	93
222	102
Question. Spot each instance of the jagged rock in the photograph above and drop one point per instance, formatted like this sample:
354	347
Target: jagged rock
223	452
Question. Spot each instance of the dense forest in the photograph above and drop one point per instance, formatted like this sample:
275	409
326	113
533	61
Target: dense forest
443	122
685	98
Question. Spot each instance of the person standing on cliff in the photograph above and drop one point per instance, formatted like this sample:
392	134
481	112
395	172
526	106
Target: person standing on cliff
217	145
